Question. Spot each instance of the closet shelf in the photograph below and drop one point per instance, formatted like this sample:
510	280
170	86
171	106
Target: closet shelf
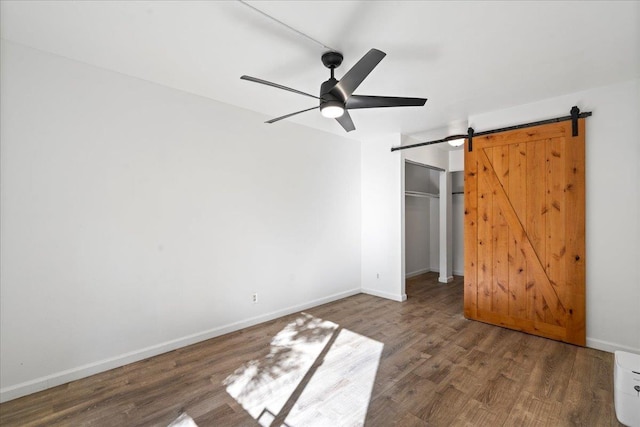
420	194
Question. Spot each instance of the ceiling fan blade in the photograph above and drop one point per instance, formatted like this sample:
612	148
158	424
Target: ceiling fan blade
346	122
352	79
264	82
292	114
363	101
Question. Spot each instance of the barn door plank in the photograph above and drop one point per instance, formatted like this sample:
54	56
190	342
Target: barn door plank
575	241
500	296
555	220
485	244
536	214
517	262
470	232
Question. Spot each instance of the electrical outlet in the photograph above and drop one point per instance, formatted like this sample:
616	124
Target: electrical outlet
254	298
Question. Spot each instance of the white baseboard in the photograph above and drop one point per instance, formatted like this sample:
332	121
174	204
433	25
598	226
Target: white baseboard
610	346
417	273
58	378
447	279
458	273
387	295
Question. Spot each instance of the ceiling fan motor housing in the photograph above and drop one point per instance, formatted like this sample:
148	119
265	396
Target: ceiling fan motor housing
325	91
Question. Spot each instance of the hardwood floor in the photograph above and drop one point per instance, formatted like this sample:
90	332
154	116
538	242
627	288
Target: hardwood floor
359	360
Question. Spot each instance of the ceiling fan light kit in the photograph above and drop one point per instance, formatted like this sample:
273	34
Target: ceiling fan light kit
331	109
336	96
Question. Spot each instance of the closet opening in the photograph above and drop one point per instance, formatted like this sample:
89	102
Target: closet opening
433	225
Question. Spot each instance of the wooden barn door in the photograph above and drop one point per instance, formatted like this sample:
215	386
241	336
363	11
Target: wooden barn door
524	231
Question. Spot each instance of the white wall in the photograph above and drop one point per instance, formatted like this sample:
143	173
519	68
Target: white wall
382	213
612	204
456	160
136	219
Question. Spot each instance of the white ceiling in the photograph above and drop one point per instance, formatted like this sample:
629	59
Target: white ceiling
466	57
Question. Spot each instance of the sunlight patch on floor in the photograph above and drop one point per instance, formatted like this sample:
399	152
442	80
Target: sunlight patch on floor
183	420
316	373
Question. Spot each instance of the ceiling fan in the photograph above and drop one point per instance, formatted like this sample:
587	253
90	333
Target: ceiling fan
336	96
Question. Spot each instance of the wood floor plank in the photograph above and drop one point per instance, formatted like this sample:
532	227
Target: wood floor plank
444	406
498	394
434	368
476	414
530	410
552	372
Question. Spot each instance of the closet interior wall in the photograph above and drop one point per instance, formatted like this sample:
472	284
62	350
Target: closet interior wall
422	218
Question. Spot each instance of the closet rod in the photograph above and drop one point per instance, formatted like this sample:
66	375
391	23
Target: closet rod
421	194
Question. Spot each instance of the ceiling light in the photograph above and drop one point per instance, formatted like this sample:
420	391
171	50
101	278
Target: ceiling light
332	109
456	142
